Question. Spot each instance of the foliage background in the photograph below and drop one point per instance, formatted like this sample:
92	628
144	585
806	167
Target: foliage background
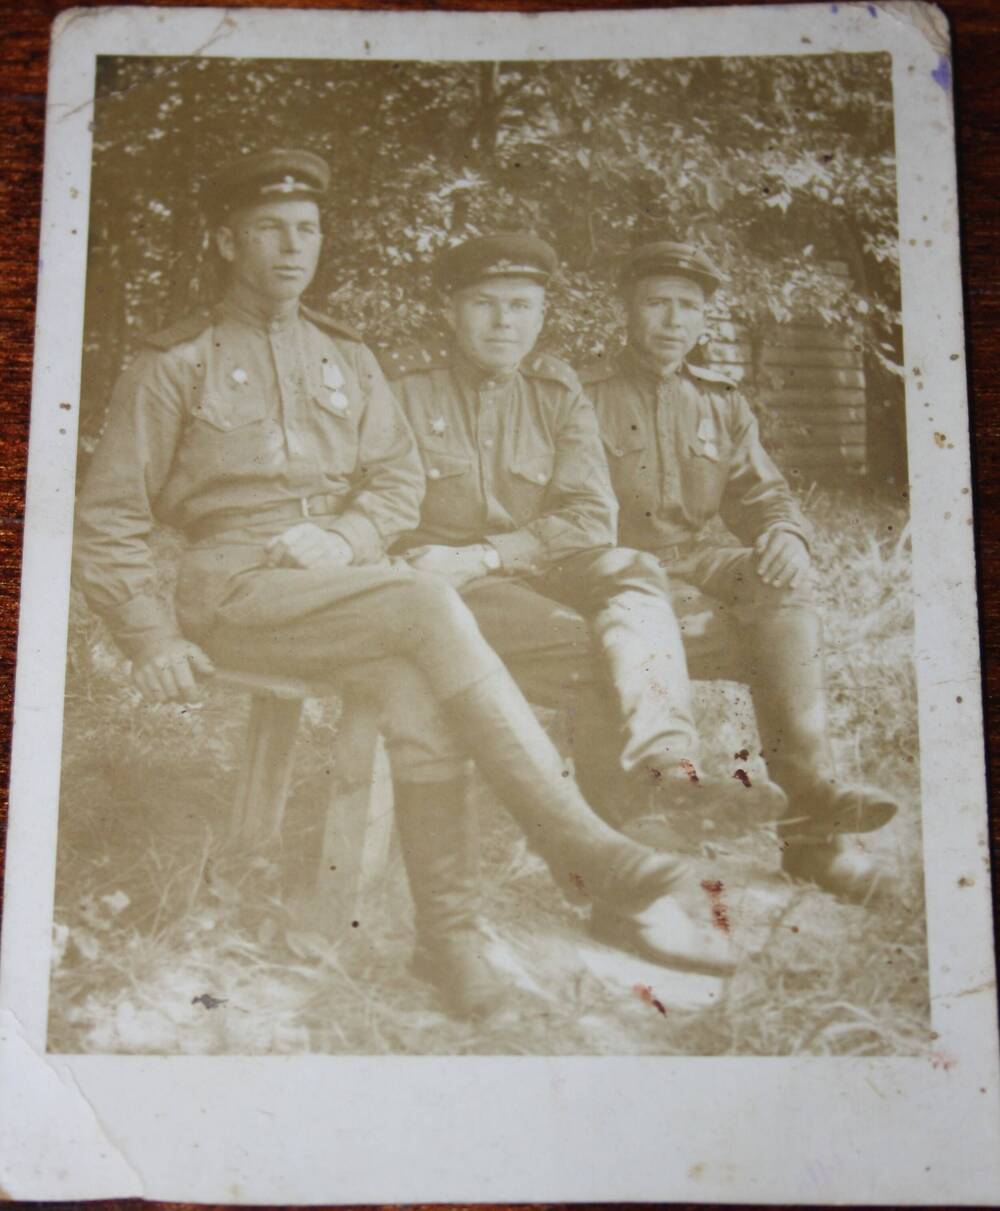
779	165
164	942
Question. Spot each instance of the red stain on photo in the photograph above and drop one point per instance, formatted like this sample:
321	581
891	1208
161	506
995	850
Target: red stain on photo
720	913
645	994
742	776
689	769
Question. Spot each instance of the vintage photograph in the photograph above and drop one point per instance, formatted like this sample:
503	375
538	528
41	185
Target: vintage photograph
491	629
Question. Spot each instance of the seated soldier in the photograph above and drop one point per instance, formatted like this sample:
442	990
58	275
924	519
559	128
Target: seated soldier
266	433
683	448
520	516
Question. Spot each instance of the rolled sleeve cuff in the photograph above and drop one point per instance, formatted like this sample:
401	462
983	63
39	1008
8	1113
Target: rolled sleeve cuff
361	535
519	551
142	625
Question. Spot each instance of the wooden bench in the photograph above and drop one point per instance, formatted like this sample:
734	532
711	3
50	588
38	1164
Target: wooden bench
356	820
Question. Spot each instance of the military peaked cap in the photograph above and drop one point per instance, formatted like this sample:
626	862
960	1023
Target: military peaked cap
507	254
269	176
665	257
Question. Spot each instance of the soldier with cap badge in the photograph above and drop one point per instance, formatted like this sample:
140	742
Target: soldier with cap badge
520	515
684	448
266	433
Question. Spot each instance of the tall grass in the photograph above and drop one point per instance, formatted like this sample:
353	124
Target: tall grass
166	942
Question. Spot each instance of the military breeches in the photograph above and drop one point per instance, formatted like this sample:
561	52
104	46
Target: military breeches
596	636
404	639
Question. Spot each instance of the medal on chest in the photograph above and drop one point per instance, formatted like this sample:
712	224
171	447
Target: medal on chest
333	382
708	438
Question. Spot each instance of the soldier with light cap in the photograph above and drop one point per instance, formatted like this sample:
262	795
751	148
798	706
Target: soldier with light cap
265	433
684	449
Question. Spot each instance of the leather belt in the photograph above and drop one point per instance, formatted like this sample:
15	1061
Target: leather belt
325	504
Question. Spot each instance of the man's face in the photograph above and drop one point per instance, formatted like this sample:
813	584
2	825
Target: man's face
496	323
666	316
273	247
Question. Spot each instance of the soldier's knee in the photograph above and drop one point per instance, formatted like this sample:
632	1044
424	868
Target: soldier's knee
432	603
772	598
628	568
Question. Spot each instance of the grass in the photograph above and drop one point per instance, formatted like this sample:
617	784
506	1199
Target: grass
165	942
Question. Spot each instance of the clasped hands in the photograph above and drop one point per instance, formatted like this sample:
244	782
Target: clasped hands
457	565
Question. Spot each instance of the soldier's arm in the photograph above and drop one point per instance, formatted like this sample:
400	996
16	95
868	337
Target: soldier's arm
391	481
757	498
112	560
580	509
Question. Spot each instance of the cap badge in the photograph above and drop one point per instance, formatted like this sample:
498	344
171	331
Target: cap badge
438	426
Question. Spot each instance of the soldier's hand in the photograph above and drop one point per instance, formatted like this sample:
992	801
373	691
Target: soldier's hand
307	546
171	674
458	565
782	559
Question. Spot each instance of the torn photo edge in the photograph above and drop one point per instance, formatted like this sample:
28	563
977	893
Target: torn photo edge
322	1129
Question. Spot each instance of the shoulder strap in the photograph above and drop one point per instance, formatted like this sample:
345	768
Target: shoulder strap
544	365
597	370
414	359
187	329
708	375
331	325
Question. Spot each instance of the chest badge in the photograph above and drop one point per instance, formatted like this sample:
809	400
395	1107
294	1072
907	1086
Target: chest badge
708	437
240	377
438	426
333	381
333	378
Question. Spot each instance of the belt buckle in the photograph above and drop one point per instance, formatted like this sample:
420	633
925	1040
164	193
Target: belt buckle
304	506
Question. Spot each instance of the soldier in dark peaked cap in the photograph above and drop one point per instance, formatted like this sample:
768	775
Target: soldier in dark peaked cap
266	433
520	515
683	448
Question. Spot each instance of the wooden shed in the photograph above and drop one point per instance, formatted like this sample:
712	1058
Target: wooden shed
807	382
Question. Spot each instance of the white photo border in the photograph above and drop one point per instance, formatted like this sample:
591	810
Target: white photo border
324	1129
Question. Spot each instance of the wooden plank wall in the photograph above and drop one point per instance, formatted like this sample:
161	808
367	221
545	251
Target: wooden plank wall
808	380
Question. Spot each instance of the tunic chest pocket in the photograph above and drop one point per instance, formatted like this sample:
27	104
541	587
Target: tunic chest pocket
233	436
705	471
444	469
228	415
630	462
336	419
531	476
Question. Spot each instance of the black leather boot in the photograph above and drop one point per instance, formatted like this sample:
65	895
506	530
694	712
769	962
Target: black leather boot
438	832
634	889
789	692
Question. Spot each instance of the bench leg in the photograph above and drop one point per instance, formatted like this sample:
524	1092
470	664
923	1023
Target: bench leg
354	855
259	806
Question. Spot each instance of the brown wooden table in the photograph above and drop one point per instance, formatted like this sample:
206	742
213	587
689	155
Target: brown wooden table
23	63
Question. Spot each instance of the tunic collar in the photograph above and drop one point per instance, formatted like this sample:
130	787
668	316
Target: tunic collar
647	371
242	304
473	377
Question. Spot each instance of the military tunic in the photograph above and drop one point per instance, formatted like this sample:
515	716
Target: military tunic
215	423
511	458
515	460
683	450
